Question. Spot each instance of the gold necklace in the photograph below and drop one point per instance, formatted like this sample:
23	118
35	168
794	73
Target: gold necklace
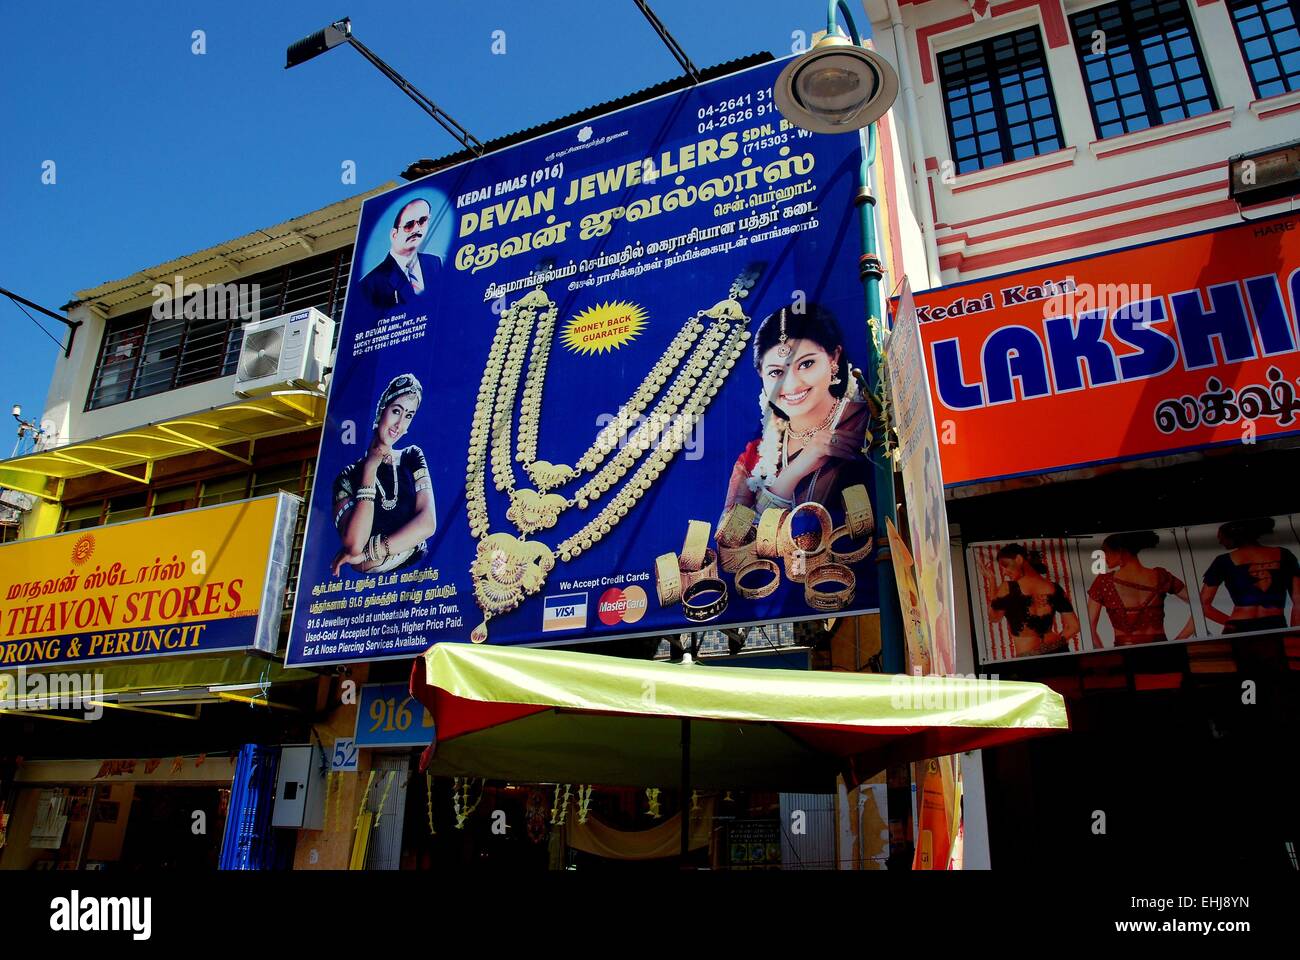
830	417
536	509
508	569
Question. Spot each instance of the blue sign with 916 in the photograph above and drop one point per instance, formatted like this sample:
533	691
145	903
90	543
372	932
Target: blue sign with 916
388	716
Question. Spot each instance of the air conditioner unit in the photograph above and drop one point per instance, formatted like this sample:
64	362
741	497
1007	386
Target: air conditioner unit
291	350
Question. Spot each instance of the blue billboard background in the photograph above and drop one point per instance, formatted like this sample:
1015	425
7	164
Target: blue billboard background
630	224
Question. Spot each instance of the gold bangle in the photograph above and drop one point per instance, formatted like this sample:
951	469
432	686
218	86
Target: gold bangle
763	589
707	572
668	580
788	542
736	526
733	558
857	510
799	562
829	600
856	553
769	526
704	612
696	545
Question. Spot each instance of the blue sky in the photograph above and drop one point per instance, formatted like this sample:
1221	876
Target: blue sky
159	151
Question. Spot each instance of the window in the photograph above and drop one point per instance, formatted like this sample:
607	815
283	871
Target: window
224	490
142	355
83	516
1269	34
1142	65
173	499
8	532
998	98
131	506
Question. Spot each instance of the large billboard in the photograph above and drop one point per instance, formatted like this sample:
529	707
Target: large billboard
598	385
1174	345
200	581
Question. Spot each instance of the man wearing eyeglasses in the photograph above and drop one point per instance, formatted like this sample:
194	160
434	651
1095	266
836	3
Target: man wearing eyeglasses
406	276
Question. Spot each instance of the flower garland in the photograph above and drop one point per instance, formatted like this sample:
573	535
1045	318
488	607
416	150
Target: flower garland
652	797
584	802
383	801
428	799
560	805
460	803
361	809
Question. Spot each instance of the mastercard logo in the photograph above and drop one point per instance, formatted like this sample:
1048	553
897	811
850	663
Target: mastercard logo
618	605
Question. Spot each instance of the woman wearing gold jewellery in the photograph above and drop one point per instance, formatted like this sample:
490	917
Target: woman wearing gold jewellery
813	420
383	503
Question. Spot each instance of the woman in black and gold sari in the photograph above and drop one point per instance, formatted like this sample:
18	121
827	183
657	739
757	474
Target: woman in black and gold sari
383	503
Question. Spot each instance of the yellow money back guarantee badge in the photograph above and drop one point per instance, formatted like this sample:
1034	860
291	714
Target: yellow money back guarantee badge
604	327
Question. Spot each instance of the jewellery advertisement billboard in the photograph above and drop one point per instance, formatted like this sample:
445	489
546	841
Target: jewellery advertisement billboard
1068	595
199	581
1175	345
925	590
599	384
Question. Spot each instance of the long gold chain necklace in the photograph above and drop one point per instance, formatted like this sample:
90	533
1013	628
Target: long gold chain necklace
508	569
533	510
546	475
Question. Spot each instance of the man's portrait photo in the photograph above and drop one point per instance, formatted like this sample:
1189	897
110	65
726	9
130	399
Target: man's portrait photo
406	276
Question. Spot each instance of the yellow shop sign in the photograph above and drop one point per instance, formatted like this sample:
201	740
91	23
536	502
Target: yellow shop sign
194	582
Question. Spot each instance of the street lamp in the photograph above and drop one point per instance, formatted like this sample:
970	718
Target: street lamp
839	86
340	32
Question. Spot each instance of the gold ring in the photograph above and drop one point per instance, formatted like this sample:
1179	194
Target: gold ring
763	589
857	510
853	555
668	580
706	572
704	612
733	558
735	527
769	526
829	600
696	545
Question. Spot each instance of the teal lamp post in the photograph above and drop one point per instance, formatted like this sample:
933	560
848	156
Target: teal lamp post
839	86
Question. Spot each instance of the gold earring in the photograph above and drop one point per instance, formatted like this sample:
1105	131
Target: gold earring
835	375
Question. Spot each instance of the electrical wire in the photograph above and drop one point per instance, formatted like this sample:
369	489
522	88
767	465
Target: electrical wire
37	322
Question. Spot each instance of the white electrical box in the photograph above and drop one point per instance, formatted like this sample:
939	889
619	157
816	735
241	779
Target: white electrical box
300	789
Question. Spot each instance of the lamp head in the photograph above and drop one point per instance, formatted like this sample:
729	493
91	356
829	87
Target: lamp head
835	87
313	46
17	410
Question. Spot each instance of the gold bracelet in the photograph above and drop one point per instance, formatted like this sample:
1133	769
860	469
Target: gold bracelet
857	510
799	563
763	589
696	545
829	600
668	580
704	612
707	572
733	558
769	526
803	540
736	526
854	554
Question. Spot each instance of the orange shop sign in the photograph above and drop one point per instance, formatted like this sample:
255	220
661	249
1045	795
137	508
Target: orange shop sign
1176	345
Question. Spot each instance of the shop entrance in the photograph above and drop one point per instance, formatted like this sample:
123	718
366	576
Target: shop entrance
174	828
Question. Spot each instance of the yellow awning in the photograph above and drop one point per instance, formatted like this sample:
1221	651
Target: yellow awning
132	453
232	677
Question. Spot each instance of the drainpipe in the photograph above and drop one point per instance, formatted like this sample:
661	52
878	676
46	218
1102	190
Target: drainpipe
916	151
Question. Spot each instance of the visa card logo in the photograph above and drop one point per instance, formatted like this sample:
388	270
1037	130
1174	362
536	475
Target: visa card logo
568	611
